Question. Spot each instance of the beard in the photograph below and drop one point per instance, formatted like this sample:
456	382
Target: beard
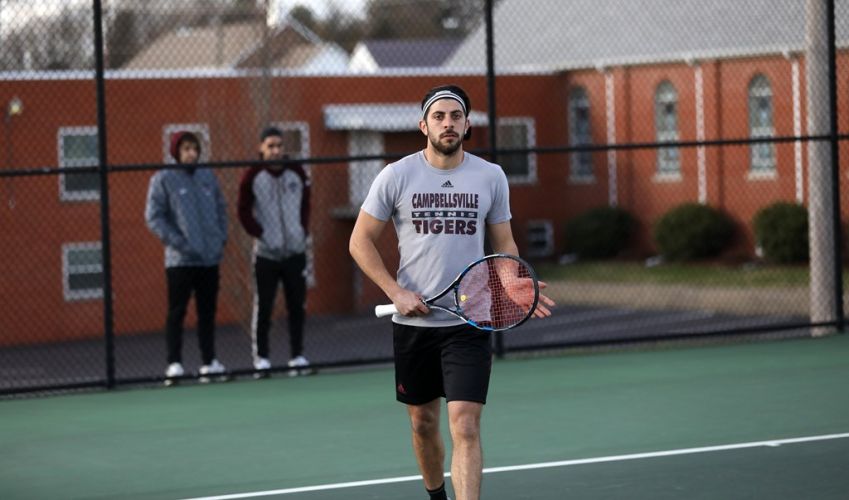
446	149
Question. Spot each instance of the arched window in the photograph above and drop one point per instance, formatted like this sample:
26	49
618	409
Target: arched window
666	124
581	162
761	125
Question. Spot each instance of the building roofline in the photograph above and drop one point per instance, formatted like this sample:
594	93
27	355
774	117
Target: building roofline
165	74
214	72
684	57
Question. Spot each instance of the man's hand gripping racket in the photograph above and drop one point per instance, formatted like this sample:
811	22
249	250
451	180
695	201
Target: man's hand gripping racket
495	293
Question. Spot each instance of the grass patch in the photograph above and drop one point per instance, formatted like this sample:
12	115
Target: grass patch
676	273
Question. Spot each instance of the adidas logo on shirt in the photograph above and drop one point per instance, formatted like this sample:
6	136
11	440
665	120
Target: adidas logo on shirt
447	184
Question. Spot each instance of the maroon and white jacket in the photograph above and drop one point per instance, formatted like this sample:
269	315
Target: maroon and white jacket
274	209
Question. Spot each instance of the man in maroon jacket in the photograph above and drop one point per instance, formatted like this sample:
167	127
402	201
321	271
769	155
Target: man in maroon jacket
274	209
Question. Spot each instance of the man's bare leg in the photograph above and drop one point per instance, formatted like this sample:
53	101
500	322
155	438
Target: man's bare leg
427	442
464	418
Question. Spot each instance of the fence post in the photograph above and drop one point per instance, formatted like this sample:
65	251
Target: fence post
498	338
835	167
822	201
105	242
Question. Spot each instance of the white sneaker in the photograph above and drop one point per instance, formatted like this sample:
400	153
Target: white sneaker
301	363
172	373
174	370
213	368
262	366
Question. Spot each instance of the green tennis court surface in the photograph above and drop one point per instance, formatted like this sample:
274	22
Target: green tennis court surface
760	420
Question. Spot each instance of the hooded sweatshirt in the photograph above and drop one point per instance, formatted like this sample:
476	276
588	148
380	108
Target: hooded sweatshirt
274	209
186	210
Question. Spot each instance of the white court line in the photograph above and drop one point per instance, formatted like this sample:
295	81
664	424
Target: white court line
544	465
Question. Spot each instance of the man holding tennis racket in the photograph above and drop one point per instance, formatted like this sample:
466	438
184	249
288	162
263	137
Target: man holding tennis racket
440	201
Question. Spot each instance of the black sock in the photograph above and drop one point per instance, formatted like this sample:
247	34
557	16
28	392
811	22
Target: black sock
438	493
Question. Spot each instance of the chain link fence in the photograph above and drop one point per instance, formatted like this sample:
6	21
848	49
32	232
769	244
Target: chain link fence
673	165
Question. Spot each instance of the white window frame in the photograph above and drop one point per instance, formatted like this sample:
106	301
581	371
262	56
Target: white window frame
761	167
546	228
199	129
580	172
304	129
668	166
530	140
64	193
68	270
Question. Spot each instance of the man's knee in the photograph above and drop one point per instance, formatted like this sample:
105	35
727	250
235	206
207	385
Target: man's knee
465	431
424	422
465	426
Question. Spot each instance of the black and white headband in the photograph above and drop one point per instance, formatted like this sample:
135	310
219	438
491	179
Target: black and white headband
443	94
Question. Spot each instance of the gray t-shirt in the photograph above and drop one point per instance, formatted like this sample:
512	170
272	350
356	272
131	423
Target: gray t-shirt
440	217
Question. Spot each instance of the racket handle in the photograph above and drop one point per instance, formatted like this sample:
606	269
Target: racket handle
385	310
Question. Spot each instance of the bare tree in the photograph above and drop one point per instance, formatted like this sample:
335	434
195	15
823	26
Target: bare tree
51	43
423	18
461	17
404	19
387	19
243	11
305	16
123	40
340	28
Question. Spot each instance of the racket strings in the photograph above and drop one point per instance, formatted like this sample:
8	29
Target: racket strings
498	293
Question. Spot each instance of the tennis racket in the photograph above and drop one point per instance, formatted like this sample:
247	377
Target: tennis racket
495	293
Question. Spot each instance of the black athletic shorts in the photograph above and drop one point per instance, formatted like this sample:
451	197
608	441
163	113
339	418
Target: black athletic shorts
452	362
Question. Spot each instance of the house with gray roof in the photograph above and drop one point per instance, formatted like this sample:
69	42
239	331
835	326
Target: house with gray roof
243	45
370	56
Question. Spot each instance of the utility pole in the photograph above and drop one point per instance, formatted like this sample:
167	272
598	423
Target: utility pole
824	251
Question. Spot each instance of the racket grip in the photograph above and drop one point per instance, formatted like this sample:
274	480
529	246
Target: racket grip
385	310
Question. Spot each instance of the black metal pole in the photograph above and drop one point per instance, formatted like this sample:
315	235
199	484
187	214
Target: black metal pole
835	167
490	82
105	241
492	116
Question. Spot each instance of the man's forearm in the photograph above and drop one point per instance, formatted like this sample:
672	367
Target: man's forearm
507	247
367	257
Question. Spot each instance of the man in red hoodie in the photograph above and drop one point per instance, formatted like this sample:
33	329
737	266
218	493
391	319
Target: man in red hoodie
274	208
